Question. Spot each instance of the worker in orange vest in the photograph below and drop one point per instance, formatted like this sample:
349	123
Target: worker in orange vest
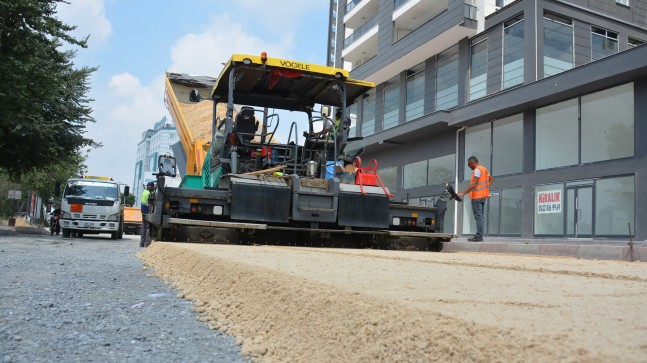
479	192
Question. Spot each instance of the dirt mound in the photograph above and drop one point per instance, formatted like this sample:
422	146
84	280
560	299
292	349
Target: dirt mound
279	316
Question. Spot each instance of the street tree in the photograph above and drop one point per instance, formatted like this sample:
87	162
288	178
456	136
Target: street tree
43	96
44	180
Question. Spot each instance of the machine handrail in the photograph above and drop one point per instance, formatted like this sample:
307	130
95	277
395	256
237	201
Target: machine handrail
296	144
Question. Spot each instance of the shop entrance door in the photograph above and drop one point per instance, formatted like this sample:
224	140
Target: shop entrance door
579	210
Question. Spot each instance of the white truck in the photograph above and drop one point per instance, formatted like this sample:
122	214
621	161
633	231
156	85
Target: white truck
92	205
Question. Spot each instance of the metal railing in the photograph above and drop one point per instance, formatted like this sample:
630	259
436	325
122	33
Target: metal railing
351	5
357	33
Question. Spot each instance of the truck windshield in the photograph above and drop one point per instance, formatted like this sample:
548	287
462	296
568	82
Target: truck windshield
92	190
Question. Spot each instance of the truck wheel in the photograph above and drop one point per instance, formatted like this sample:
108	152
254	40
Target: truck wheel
66	233
113	235
79	234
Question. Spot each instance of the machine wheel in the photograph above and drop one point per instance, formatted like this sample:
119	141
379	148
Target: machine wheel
66	233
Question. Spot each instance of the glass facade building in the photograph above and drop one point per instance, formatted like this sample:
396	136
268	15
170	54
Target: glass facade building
549	96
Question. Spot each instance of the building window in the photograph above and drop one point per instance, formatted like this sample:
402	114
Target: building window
447	80
389	177
434	171
415	96
608	124
502	215
507	145
603	43
478	70
556	130
633	42
392	103
478	142
498	146
596	127
558	44
513	52
415	175
368	114
614	206
441	169
352	113
549	209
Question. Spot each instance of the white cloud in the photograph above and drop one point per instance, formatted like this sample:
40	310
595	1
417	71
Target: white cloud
124	109
204	53
89	17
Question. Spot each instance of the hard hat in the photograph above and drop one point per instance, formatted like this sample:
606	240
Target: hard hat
150	185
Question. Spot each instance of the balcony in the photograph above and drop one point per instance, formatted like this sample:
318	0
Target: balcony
411	14
357	11
361	44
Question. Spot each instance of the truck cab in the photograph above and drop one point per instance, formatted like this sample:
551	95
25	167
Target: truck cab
92	205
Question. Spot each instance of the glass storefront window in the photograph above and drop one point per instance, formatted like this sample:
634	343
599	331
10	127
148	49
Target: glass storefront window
415	93
608	124
391	103
507	145
352	113
549	209
556	135
478	70
415	175
447	82
368	115
511	205
441	169
478	140
558	44
513	52
614	206
389	177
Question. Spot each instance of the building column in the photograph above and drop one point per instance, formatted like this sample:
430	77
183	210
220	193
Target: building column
463	70
640	181
528	198
430	85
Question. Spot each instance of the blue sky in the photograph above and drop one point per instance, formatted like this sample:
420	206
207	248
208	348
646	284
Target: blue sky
135	42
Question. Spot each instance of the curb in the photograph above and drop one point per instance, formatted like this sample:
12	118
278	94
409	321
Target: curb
588	252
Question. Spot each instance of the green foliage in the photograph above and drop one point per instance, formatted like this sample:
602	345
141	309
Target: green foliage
128	201
8	206
43	180
43	97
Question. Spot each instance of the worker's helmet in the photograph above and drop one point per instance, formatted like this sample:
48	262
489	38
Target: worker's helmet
150	185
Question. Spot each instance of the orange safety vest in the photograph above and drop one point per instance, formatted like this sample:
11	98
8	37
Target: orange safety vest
482	189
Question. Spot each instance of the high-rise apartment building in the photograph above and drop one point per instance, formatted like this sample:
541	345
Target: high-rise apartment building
155	142
550	95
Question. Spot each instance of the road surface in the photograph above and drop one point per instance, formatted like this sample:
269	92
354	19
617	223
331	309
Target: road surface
90	300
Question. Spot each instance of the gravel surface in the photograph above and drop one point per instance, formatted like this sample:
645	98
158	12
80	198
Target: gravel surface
90	300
